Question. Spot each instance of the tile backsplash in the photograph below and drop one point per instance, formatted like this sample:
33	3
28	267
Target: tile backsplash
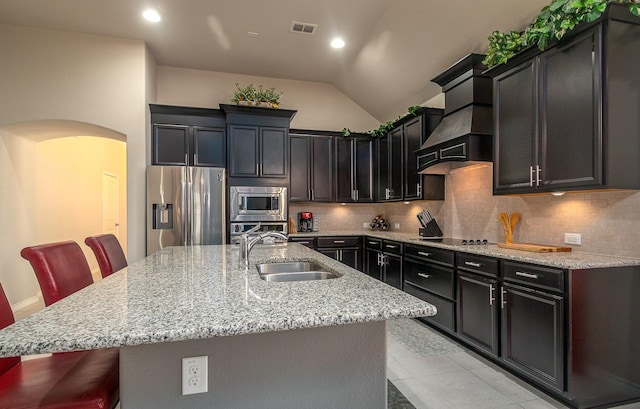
609	222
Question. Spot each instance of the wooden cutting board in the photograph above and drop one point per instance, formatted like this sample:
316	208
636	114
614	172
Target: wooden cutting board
538	248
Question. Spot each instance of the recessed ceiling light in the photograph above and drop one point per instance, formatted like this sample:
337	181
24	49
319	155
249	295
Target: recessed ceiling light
337	43
151	15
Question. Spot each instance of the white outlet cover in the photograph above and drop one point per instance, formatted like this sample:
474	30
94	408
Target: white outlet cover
194	375
573	238
397	226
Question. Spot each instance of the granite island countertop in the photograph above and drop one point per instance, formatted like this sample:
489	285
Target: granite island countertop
573	260
185	293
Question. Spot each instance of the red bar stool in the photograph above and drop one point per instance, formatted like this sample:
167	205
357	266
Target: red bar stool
108	253
61	269
78	380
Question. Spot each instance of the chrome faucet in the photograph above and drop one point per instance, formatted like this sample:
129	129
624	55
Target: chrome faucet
248	240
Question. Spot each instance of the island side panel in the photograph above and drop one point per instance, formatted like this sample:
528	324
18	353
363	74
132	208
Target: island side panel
342	366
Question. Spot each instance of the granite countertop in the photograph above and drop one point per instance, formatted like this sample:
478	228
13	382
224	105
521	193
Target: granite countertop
183	293
573	260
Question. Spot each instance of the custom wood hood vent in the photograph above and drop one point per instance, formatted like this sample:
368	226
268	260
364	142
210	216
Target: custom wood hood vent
465	133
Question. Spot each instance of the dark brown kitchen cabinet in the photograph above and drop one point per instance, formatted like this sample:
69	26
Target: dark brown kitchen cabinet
390	165
416	131
354	159
256	151
311	170
187	136
477	304
562	117
305	241
373	257
429	275
391	261
347	249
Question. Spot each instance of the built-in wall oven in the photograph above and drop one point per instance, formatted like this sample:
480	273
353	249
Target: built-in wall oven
250	205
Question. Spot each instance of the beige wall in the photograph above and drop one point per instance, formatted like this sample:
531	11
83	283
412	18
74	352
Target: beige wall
608	221
50	74
320	106
69	189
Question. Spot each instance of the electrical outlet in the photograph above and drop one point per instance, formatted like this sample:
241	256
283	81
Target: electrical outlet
573	238
366	225
397	226
194	375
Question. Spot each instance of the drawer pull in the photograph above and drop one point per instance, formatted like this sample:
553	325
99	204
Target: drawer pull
492	296
304	242
472	264
527	275
338	242
389	246
373	243
422	253
423	275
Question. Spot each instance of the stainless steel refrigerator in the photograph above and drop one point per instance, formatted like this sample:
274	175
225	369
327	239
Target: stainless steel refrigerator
185	206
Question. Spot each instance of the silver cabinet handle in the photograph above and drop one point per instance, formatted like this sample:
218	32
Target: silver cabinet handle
418	189
357	195
312	195
304	242
503	301
492	297
538	180
389	246
422	253
423	275
372	243
387	193
379	259
472	264
338	241
530	175
527	275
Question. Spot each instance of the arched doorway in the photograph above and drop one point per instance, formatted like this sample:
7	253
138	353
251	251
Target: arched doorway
52	188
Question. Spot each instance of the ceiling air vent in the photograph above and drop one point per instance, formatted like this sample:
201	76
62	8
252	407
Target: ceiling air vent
303	28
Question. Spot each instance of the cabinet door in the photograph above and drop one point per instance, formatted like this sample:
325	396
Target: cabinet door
351	257
274	152
170	144
209	147
372	264
333	253
570	134
477	312
364	160
243	151
344	169
413	135
322	169
533	335
300	168
382	171
393	270
515	129
395	164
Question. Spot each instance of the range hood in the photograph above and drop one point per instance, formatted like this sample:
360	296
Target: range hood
465	134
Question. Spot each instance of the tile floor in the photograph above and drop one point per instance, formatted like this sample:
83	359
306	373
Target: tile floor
433	372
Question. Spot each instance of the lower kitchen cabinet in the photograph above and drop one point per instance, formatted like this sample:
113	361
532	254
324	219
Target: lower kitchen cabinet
533	334
347	250
477	309
305	241
429	275
372	257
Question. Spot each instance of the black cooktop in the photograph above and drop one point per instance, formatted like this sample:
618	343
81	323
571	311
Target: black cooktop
456	242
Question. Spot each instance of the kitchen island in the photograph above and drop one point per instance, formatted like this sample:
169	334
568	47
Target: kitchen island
269	344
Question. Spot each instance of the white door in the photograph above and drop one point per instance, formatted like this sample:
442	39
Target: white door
110	221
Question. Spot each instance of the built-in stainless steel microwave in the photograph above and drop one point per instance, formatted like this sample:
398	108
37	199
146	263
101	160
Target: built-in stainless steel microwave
257	204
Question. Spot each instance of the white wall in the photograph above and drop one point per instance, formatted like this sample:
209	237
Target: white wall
50	74
320	106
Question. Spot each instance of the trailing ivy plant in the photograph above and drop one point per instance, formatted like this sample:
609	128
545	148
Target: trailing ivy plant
553	22
385	128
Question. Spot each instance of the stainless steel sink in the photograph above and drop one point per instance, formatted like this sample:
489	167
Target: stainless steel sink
294	271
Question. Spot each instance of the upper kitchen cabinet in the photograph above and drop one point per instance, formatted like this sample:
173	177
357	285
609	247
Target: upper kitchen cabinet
390	164
258	140
354	159
187	136
567	118
311	170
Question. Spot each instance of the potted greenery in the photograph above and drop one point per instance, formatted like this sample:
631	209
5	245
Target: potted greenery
553	22
385	128
252	96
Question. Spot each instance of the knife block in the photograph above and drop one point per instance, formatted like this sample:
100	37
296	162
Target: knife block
431	230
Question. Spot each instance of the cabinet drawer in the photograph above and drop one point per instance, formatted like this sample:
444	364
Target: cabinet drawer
429	253
392	247
347	241
372	244
534	276
445	317
428	276
477	264
305	241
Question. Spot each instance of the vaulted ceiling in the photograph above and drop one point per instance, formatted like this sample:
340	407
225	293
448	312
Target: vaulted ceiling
393	47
